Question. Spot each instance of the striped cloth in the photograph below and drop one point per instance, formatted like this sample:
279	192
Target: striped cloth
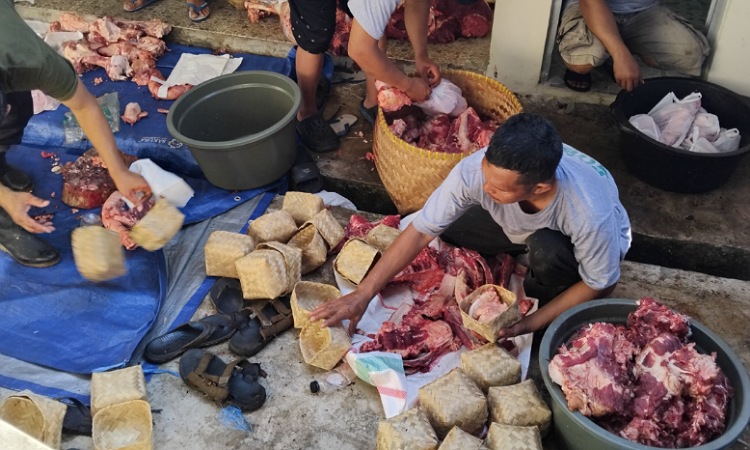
385	371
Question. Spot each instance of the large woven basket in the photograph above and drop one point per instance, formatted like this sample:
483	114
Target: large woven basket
410	173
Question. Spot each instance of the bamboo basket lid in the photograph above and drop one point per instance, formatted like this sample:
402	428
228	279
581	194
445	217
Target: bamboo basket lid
306	296
302	206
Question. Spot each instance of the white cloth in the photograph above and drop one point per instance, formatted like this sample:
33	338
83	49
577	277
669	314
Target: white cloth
163	184
195	69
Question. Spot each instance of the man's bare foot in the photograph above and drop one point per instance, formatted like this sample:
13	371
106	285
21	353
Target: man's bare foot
198	10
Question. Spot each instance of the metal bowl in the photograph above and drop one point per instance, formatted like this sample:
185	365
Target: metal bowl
575	431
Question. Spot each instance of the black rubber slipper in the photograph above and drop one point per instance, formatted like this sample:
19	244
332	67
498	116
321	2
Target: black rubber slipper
208	331
317	135
235	383
369	114
305	175
226	296
259	324
579	82
77	418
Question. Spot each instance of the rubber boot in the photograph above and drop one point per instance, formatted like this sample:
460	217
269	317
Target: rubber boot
13	178
26	248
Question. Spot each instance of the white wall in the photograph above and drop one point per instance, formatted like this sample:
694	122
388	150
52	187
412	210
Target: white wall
729	34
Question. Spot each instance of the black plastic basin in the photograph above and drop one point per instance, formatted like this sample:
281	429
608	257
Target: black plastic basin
239	127
674	169
575	431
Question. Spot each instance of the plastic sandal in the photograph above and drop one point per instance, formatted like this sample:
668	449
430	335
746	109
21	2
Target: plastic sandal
197	9
77	418
226	296
579	82
258	324
203	333
235	383
143	5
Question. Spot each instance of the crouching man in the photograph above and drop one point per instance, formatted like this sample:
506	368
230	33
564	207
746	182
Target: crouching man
559	203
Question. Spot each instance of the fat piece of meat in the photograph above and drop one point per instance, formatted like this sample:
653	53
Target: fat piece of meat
391	98
133	113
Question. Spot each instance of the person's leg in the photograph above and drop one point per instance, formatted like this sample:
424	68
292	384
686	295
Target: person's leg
552	265
478	231
313	24
20	109
580	50
665	40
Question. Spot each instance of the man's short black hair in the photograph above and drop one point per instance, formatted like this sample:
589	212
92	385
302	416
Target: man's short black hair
528	144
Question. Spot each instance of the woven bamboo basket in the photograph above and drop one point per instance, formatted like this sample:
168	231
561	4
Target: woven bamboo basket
490	366
328	227
263	274
323	347
355	259
520	405
313	246
306	296
292	260
274	226
488	330
160	224
410	173
222	249
37	416
98	253
382	236
454	400
408	431
458	439
302	206
124	426
117	386
508	437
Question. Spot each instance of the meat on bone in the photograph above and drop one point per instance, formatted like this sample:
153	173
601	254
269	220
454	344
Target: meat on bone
120	218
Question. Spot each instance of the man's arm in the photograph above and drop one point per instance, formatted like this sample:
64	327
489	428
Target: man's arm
93	122
416	16
363	49
600	20
574	295
353	305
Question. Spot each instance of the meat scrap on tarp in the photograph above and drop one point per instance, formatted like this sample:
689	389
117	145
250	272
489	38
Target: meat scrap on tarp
430	327
644	380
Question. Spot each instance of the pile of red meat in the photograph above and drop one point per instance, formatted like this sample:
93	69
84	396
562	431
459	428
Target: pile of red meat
644	380
423	332
448	21
86	181
126	49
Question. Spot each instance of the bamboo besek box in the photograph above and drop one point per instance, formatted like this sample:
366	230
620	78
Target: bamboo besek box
382	236
519	405
355	259
302	206
160	224
306	296
489	329
409	430
273	226
454	400
125	425
262	274
292	261
117	386
509	437
98	253
222	249
323	347
328	227
37	416
490	365
458	439
314	250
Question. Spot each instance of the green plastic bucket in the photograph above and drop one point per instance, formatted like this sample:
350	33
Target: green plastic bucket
239	127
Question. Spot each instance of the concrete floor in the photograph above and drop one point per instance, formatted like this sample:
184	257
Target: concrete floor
705	239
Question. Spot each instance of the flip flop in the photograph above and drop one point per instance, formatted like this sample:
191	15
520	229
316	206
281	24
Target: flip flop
258	324
235	383
197	10
202	333
305	175
342	124
579	82
226	296
145	4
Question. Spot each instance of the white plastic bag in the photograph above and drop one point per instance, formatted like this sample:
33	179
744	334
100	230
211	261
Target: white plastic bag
674	117
446	98
707	125
646	125
728	140
163	184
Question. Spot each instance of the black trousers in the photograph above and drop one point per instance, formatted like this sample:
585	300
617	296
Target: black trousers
552	264
13	124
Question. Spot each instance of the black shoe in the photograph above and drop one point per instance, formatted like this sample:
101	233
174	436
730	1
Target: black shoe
317	135
15	179
26	248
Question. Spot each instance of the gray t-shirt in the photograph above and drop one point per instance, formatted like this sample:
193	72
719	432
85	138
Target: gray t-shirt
586	208
625	6
373	15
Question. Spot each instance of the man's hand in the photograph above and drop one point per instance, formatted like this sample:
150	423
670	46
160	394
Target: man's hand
133	186
418	90
350	306
627	72
428	71
18	204
517	329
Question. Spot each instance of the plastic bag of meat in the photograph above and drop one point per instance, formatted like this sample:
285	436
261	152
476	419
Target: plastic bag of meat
674	117
446	98
646	125
97	253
